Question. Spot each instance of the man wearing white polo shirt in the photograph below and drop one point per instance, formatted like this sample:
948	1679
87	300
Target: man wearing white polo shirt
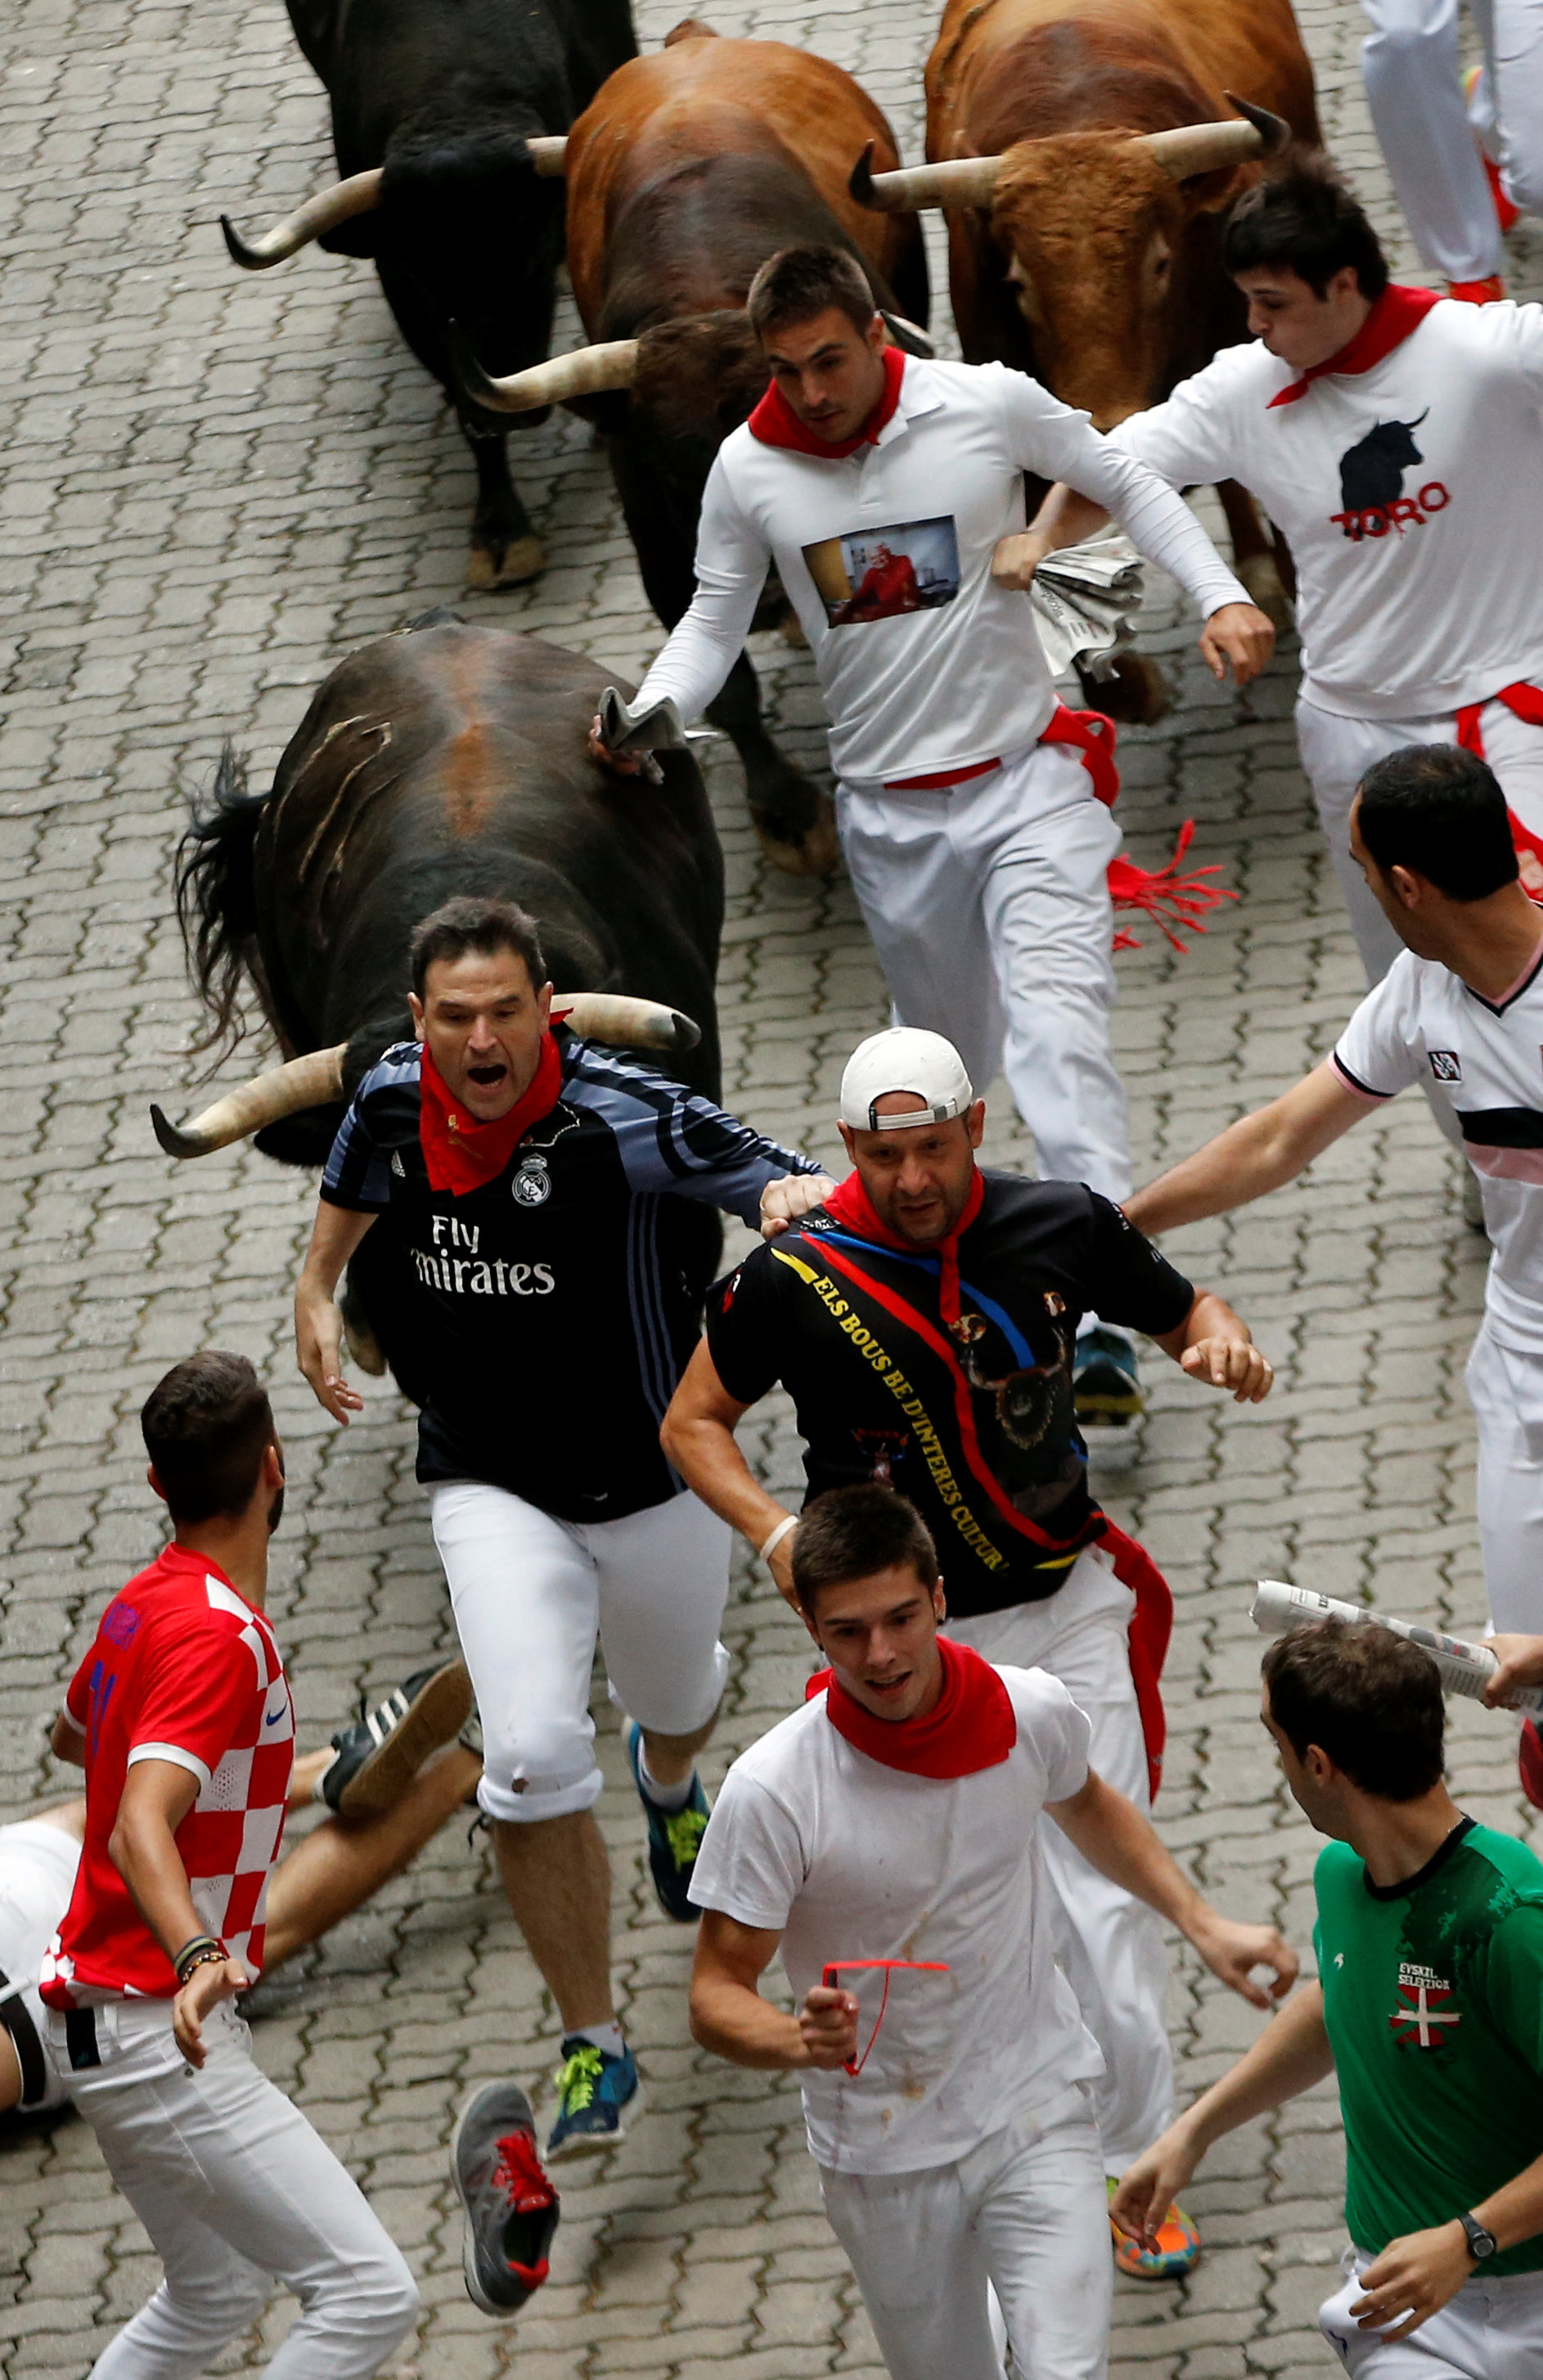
973	807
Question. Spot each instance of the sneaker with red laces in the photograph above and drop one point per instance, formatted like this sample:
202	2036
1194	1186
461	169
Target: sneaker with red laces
1529	1761
1477	293
1176	2251
511	2207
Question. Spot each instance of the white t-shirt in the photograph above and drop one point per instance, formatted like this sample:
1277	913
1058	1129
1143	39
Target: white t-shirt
1483	1064
37	1865
926	663
851	1860
1410	496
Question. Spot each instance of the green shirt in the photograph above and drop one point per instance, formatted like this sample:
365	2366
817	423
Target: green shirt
1433	1997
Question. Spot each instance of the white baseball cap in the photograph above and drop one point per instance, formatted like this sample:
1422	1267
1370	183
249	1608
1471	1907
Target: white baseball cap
904	1059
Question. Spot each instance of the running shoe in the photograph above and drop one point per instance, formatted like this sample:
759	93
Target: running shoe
675	1837
511	2207
1106	1382
598	2096
1177	2251
378	1757
1529	1761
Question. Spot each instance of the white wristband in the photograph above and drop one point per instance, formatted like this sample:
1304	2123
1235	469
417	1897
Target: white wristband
789	1521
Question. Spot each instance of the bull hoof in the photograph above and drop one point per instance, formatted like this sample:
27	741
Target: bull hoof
1262	579
363	1345
1138	694
511	567
814	851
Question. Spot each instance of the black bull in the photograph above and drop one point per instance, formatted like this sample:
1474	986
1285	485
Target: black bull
447	760
444	95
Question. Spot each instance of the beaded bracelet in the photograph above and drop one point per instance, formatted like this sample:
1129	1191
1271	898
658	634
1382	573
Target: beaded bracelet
198	1952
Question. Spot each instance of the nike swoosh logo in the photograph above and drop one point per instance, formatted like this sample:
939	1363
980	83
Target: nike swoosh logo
271	1719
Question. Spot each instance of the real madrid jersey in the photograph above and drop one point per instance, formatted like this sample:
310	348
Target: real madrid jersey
1433	1998
1482	1062
551	1309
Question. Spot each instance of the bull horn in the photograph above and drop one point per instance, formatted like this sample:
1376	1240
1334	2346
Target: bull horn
313	1081
588	371
357	196
956	182
1204	147
625	1023
547	153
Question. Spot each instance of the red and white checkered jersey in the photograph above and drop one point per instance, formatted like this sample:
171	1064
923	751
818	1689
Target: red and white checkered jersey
182	1669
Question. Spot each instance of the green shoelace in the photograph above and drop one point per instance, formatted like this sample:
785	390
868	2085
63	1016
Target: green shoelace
576	2078
684	1830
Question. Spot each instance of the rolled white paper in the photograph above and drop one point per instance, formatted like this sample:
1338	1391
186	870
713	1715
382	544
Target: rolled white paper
1465	1668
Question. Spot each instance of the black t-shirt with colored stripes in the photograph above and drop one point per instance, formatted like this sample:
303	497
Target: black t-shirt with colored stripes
974	1422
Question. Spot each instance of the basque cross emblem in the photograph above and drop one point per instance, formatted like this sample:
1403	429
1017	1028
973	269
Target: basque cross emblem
1418	2023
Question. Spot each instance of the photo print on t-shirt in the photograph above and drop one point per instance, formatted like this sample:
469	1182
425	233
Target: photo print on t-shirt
879	574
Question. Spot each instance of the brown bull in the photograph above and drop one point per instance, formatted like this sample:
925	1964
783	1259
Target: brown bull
688	169
1085	151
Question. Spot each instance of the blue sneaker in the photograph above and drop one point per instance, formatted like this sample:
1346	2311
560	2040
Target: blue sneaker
675	1837
1106	1384
598	2096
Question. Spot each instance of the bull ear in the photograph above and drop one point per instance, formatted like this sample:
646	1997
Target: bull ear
1207	194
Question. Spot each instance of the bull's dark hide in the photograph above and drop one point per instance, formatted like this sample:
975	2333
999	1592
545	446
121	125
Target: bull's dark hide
447	759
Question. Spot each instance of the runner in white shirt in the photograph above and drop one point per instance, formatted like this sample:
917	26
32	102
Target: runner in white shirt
972	807
1396	440
890	1825
1461	1014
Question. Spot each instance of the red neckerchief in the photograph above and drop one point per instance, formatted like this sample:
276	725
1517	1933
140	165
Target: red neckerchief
1393	315
775	423
461	1154
852	1206
971	1726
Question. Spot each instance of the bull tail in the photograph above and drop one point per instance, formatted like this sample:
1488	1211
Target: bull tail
215	885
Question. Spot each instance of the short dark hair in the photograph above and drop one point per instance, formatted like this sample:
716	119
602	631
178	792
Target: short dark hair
850	1532
1440	811
470	923
1368	1699
207	1427
799	283
1302	216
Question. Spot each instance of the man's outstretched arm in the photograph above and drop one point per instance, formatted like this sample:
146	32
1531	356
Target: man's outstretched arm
1289	2057
1215	1346
1256	1155
1114	1837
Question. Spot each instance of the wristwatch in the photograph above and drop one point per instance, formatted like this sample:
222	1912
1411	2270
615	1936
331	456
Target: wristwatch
1482	2244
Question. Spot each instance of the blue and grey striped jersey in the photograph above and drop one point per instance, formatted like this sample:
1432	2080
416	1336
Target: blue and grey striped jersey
552	1311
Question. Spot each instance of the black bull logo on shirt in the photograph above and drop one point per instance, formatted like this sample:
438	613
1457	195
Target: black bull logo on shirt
1371	482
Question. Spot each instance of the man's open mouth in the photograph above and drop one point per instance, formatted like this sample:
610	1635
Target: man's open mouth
486	1078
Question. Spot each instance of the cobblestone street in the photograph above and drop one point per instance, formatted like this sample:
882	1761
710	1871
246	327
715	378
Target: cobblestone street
212	486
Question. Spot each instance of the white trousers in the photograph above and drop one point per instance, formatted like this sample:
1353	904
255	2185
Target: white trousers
531	1594
1108	1945
1491	2331
1027	2212
236	2192
1505	1390
1336	754
1428	137
989	906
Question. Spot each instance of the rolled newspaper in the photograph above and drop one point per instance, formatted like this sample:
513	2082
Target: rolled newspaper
1465	1668
1085	598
